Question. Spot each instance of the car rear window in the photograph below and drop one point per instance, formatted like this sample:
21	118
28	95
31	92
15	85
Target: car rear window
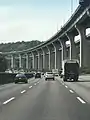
20	75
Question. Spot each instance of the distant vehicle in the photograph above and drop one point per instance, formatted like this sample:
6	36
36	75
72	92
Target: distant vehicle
21	78
38	75
8	71
70	70
49	75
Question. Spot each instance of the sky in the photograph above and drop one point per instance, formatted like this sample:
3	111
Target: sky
26	20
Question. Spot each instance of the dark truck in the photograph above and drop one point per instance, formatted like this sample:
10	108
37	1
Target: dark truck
70	70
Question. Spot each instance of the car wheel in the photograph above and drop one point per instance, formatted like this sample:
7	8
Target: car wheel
26	81
16	82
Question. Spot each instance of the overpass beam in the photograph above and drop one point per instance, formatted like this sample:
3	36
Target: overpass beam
73	55
84	56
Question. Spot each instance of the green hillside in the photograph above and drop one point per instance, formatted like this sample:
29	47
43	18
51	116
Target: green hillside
18	46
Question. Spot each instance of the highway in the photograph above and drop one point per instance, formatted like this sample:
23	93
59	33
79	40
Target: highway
46	100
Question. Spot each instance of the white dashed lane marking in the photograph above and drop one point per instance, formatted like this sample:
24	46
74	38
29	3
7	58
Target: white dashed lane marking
62	83
71	91
23	91
82	101
8	100
66	86
30	86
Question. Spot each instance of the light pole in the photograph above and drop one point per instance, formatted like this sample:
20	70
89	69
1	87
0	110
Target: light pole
71	7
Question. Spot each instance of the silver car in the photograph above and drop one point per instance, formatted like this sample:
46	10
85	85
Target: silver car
49	75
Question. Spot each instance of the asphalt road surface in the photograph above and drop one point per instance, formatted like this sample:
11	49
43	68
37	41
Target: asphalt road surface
45	100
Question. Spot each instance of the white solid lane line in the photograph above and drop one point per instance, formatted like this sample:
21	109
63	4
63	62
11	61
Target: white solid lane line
8	100
71	91
66	86
82	101
30	86
23	91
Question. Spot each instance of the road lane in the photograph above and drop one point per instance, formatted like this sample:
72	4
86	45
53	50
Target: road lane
48	100
8	91
82	87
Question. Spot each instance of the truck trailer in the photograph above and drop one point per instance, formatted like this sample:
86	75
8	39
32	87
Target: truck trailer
70	70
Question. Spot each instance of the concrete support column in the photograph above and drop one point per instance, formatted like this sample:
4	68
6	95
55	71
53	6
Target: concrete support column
20	61
39	60
49	53
43	60
27	61
63	49
52	60
46	61
58	55
59	59
33	61
72	46
12	61
84	53
63	45
55	52
30	62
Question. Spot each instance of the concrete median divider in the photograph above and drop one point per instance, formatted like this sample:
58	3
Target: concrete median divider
6	78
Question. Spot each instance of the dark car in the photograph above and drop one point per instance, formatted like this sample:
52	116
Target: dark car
38	75
21	78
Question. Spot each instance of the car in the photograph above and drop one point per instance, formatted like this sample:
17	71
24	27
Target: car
21	78
49	75
8	71
38	75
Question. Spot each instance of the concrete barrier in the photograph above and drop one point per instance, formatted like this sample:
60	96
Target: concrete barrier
6	78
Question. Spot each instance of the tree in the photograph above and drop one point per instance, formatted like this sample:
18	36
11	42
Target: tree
3	63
